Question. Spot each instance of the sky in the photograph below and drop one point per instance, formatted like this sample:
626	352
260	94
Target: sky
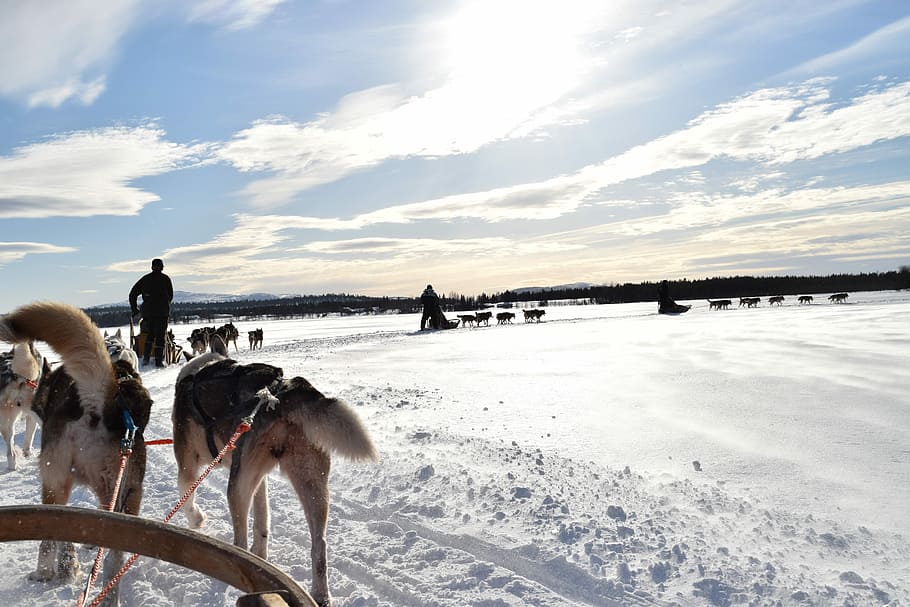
373	147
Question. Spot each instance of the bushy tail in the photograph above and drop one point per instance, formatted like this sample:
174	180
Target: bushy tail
333	425
74	337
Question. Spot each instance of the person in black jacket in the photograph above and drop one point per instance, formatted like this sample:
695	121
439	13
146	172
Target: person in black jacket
431	308
157	293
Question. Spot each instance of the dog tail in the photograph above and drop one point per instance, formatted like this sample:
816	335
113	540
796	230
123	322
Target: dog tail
71	333
333	426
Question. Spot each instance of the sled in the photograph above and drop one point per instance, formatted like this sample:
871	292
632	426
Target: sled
674	309
172	350
264	584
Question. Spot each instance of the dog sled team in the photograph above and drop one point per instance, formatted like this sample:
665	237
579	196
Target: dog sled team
433	317
93	410
774	300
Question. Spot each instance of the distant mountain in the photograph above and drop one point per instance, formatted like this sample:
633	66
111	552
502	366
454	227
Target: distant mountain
182	297
574	285
188	297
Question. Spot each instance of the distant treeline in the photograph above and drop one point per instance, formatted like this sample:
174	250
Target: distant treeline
217	313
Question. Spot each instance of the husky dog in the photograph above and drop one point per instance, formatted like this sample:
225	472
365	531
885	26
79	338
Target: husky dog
838	297
776	299
295	427
20	370
749	302
533	315
199	339
81	406
504	317
255	339
483	317
118	350
467	319
228	333
805	299
719	304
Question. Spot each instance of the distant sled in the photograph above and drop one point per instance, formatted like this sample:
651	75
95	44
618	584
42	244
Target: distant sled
674	308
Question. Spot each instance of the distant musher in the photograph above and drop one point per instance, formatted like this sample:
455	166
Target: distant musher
665	305
432	310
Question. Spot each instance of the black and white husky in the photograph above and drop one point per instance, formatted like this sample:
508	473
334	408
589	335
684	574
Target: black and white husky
118	349
81	406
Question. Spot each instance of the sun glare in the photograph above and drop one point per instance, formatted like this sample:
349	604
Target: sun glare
516	51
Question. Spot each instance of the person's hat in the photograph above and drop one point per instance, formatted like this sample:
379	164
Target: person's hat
157	264
429	286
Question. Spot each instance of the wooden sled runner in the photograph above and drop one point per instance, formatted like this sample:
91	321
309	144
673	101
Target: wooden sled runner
265	584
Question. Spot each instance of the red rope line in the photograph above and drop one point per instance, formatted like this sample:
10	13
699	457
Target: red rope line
242	428
100	555
160	441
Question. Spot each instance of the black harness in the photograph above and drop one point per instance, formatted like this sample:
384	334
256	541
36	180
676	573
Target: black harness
230	372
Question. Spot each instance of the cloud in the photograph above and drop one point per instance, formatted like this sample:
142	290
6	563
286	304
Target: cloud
14	251
503	67
766	131
233	14
891	41
54	51
87	173
772	127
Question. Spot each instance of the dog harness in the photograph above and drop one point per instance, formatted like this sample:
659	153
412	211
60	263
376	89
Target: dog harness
8	376
231	372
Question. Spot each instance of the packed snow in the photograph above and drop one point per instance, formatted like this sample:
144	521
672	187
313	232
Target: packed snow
604	456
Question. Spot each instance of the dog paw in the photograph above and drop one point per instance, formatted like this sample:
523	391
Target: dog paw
196	518
41	575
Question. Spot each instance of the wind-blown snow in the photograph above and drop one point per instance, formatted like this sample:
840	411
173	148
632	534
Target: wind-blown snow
606	456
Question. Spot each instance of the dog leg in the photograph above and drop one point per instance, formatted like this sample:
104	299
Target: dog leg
7	425
261	520
112	564
244	482
309	473
56	560
186	476
31	426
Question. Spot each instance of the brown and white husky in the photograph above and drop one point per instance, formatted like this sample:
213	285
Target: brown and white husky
295	427
81	406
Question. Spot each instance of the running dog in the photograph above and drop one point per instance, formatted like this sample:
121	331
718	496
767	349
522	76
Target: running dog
118	350
20	370
295	427
533	315
719	304
483	317
83	407
805	299
255	339
776	299
467	319
838	297
228	333
504	317
749	302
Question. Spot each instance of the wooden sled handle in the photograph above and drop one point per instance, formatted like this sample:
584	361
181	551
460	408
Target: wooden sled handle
190	549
